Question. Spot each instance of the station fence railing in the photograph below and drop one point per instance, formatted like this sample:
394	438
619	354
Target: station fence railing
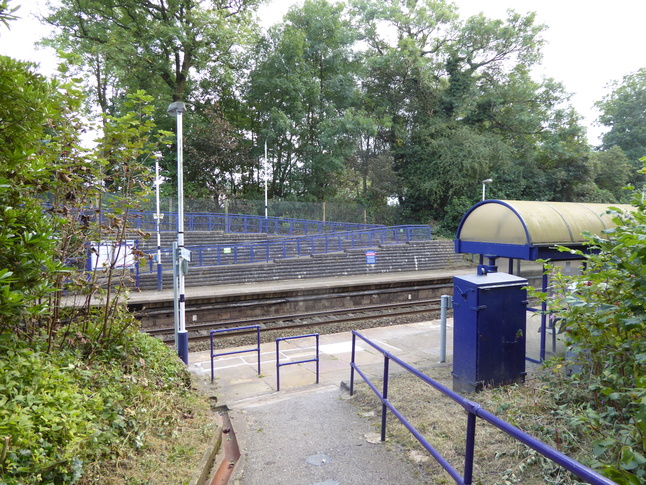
291	247
242	223
473	410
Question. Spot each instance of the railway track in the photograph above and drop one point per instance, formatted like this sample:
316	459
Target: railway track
326	321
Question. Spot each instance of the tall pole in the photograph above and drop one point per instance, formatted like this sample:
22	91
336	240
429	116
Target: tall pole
176	109
266	167
157	226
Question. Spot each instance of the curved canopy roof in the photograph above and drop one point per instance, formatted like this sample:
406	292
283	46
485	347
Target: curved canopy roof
528	229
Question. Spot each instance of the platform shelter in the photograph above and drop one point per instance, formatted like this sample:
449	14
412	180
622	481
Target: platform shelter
530	231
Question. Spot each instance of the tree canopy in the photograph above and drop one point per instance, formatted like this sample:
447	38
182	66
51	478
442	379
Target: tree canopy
369	101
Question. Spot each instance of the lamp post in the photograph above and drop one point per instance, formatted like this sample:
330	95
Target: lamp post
484	186
158	217
180	265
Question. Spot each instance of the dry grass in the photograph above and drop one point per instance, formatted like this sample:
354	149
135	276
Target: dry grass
499	459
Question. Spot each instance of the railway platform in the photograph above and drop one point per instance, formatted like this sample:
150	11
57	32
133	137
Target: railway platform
197	293
309	433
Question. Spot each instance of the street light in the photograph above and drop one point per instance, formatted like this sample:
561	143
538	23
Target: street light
181	256
484	185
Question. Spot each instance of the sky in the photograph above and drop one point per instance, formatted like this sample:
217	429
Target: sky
589	44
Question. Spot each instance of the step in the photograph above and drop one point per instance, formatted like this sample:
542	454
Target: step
397	258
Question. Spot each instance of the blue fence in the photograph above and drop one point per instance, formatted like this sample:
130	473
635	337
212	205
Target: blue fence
241	223
226	254
474	410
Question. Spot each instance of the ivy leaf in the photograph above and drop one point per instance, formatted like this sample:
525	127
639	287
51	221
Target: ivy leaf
630	460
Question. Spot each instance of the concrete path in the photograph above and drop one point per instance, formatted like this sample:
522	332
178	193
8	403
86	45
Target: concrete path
237	378
308	433
312	434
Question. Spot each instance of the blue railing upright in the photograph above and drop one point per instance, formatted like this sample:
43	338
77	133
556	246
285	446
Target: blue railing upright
280	364
474	410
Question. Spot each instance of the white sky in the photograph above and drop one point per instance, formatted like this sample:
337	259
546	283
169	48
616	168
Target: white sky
589	43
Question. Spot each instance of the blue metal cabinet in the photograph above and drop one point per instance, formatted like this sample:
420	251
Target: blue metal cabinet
489	320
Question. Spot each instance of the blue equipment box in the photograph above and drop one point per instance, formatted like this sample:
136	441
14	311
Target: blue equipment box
489	325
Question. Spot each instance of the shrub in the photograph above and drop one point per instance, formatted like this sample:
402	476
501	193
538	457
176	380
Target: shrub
45	417
604	314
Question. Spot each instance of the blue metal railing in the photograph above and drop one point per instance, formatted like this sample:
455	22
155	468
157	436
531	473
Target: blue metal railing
207	221
474	410
279	365
226	330
242	223
226	254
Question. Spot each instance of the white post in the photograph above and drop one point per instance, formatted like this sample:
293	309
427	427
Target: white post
266	169
176	109
175	295
157	223
445	305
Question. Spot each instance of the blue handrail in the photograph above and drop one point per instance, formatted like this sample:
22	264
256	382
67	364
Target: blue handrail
226	254
474	410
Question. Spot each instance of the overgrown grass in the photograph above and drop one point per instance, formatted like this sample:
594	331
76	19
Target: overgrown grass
538	407
128	415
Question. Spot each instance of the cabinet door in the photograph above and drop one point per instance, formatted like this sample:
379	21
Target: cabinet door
501	334
465	336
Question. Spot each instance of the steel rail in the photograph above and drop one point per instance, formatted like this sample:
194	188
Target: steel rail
400	309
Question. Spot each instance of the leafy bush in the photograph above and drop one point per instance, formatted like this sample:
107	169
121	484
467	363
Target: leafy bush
62	415
44	413
79	385
604	314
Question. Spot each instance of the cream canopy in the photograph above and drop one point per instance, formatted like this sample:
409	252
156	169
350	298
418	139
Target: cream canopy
529	229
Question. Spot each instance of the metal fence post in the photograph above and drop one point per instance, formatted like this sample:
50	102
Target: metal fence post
445	305
469	449
354	342
384	408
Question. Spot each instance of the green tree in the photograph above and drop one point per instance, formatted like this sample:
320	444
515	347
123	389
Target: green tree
623	111
183	50
613	172
462	106
221	165
148	44
300	89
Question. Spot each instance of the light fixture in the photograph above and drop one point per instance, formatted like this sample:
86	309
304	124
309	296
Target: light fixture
484	187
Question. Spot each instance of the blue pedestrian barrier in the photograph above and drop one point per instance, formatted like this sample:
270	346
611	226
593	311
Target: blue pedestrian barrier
279	365
474	411
226	330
